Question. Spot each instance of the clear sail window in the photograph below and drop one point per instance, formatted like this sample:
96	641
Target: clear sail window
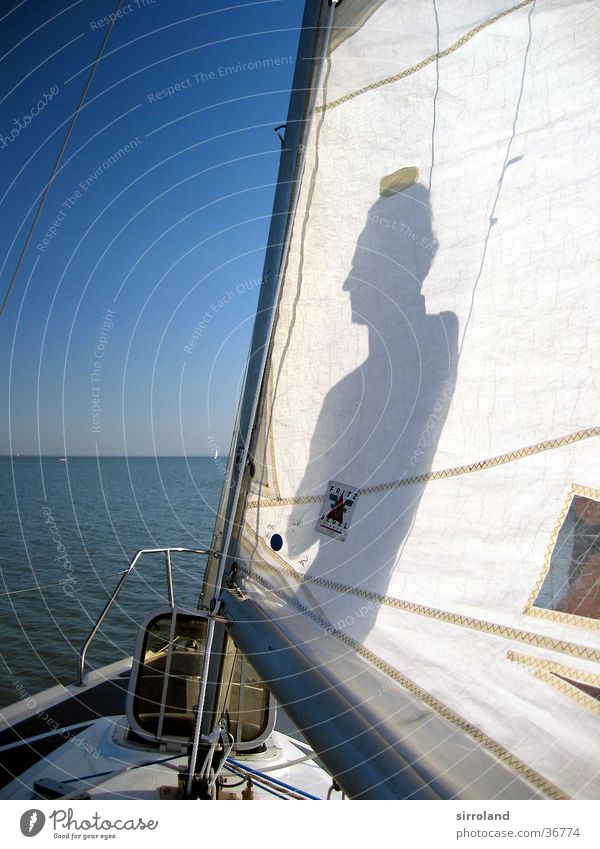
589	689
572	583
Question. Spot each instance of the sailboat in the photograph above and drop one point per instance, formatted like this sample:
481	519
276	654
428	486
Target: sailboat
407	550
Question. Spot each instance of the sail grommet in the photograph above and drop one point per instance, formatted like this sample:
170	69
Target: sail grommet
276	542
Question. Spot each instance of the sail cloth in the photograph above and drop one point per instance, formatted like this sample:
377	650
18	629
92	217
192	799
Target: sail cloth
430	413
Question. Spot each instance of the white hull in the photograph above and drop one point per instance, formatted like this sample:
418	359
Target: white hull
99	761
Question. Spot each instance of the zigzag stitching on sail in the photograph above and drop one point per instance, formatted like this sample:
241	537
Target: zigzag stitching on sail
547	672
455	471
581	675
423	64
562	646
557	615
491	745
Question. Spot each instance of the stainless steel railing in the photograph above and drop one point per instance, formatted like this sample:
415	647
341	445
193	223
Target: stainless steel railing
170	593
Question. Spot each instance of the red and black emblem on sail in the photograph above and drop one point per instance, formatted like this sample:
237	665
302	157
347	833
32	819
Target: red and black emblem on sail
336	514
336	510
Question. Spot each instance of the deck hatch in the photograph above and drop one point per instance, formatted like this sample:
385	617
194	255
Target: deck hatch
165	683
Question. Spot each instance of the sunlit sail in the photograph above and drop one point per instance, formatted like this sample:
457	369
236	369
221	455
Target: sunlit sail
421	493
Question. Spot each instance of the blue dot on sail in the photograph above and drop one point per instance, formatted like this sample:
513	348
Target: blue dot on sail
276	542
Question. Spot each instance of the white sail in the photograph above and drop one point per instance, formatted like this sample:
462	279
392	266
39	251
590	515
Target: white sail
426	479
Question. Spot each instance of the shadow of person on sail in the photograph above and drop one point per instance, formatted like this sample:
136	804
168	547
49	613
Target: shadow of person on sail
382	422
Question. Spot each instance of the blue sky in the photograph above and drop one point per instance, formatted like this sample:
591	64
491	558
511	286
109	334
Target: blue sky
128	326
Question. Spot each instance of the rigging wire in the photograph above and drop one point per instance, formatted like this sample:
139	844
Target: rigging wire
113	773
50	182
267	779
288	764
128	768
261	784
277	789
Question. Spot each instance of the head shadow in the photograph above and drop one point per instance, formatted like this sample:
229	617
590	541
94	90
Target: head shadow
393	256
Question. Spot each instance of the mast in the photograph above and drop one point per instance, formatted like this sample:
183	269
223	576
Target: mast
313	38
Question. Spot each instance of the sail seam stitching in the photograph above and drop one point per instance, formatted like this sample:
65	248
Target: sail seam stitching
442	474
581	675
547	672
425	62
494	629
439	707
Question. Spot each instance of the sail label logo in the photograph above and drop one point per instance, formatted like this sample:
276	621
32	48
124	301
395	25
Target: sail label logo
336	510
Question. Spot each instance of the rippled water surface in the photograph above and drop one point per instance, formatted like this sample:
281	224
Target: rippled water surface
67	529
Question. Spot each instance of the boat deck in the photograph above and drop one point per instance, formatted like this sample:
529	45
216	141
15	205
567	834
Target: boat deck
75	742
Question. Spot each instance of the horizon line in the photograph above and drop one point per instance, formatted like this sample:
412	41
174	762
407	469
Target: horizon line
120	456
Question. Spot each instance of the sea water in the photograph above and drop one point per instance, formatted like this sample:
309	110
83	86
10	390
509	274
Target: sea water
67	530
